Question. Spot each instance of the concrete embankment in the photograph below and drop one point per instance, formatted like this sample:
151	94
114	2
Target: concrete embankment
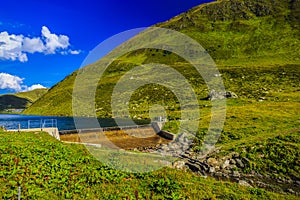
51	131
133	138
157	126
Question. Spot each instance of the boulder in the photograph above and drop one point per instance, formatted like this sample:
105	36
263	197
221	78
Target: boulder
244	183
225	164
212	170
179	164
235	174
214	95
232	161
239	163
212	162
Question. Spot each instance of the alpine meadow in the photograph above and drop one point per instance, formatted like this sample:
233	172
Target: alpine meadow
255	45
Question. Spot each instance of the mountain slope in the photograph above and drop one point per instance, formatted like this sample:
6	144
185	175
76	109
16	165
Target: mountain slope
244	32
235	33
32	95
57	101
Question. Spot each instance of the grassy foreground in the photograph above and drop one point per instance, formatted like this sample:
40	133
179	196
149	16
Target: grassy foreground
48	169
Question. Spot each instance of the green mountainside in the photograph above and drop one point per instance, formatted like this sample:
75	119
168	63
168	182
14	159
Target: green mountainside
20	100
255	44
240	32
32	95
254	35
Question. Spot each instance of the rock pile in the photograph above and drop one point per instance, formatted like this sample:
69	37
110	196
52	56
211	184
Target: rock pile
179	146
227	167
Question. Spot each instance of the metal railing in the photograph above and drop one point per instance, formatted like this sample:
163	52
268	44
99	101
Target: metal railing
43	123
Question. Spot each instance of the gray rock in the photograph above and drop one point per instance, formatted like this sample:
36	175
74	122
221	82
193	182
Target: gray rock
226	175
261	184
165	148
212	170
236	174
225	164
179	164
290	191
244	183
214	95
239	163
225	171
204	168
212	162
218	174
232	162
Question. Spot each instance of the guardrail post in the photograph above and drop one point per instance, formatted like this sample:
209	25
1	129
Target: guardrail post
19	193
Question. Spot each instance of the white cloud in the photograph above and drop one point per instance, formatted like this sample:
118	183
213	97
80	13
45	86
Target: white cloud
16	47
54	41
10	82
32	45
74	52
15	83
34	87
11	47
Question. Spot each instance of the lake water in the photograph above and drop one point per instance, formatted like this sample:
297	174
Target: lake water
11	121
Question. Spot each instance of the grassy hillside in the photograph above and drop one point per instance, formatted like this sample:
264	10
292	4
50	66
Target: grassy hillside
239	35
58	99
45	168
237	32
32	95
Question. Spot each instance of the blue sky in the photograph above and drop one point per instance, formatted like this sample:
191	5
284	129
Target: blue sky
41	42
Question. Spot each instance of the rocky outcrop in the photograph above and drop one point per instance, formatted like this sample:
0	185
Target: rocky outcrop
230	167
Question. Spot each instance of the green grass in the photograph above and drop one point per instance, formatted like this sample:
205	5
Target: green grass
46	168
255	45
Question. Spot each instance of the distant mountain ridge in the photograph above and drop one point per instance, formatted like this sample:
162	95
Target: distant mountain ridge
21	100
